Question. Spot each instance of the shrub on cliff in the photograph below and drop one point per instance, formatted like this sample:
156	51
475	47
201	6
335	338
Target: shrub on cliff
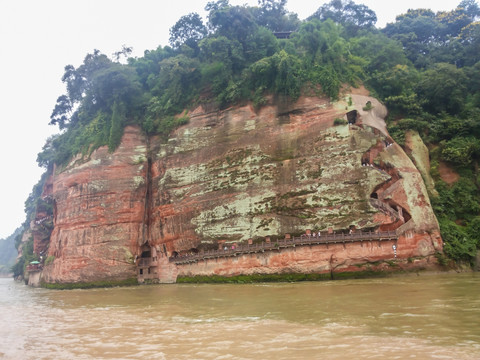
339	121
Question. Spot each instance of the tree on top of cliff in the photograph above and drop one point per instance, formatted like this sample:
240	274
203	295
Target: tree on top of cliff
353	16
273	15
189	30
94	85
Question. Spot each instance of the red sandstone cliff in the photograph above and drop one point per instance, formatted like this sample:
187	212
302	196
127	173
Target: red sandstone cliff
237	174
99	214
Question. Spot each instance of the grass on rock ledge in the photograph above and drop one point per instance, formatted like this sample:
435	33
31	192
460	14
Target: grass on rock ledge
91	285
259	278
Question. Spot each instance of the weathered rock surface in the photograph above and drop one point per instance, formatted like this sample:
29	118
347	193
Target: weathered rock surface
99	214
238	174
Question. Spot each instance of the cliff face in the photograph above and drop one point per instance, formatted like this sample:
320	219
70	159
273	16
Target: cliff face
229	176
99	214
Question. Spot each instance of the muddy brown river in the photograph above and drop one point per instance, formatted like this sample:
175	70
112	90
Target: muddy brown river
408	317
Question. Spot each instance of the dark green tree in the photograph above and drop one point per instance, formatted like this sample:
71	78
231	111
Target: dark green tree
189	30
176	83
233	22
273	15
419	31
148	66
442	88
352	16
469	39
62	112
93	86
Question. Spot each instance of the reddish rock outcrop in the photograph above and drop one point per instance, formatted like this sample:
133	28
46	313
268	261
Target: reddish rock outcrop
237	174
99	214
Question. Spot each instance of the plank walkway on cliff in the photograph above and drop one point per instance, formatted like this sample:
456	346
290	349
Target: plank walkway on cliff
287	243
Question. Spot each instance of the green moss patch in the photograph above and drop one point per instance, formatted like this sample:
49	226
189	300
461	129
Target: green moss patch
260	278
91	285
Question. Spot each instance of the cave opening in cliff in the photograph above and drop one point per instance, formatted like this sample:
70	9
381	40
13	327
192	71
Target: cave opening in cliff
352	116
145	251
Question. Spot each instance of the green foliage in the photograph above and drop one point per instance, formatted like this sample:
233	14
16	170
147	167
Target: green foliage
27	256
458	245
368	106
461	150
441	258
339	121
291	277
176	83
233	22
18	268
458	202
8	252
33	199
157	122
397	134
189	30
255	278
91	285
273	15
260	44
400	127
49	260
396	81
167	124
407	105
353	16
380	53
118	123
442	88
327	78
281	73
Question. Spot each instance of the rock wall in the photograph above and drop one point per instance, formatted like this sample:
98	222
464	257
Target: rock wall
323	259
99	214
233	175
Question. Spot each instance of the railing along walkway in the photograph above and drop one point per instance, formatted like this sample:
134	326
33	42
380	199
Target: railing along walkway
287	243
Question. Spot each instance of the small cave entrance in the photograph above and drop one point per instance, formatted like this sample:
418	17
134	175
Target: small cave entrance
352	116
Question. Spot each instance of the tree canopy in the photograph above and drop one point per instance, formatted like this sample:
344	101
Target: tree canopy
425	66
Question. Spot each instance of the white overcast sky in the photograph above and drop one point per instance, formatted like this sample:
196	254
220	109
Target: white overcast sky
37	40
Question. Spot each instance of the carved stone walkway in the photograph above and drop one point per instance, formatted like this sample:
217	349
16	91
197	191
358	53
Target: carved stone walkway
287	243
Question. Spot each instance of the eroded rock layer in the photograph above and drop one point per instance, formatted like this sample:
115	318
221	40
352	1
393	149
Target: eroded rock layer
233	175
98	214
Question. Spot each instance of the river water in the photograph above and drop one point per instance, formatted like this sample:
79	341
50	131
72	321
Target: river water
411	317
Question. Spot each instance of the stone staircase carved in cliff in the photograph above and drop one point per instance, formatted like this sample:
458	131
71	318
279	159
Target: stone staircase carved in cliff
377	198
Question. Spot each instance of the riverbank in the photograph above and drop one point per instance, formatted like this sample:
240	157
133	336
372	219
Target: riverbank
381	269
279	278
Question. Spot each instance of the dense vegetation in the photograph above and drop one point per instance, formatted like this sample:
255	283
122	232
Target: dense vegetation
8	253
425	66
